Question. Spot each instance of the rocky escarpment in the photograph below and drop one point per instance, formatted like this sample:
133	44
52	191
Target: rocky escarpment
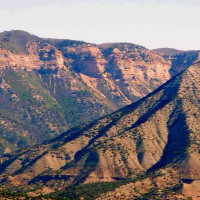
122	72
158	134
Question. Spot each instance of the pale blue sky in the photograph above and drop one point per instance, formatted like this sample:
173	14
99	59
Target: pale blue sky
151	23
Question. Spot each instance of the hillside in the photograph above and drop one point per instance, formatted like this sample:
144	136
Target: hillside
149	149
48	86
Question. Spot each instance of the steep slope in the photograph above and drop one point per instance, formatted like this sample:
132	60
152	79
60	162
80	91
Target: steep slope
158	134
180	161
48	86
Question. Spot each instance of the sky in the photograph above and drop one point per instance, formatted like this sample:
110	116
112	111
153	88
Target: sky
150	23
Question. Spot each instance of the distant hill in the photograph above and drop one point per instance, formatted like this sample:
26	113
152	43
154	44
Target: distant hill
180	60
149	149
167	51
16	40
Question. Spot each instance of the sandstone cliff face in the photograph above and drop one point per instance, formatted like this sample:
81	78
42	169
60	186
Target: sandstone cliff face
158	134
122	72
49	85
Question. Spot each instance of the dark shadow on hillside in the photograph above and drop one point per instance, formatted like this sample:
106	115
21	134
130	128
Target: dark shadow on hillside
169	93
178	140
